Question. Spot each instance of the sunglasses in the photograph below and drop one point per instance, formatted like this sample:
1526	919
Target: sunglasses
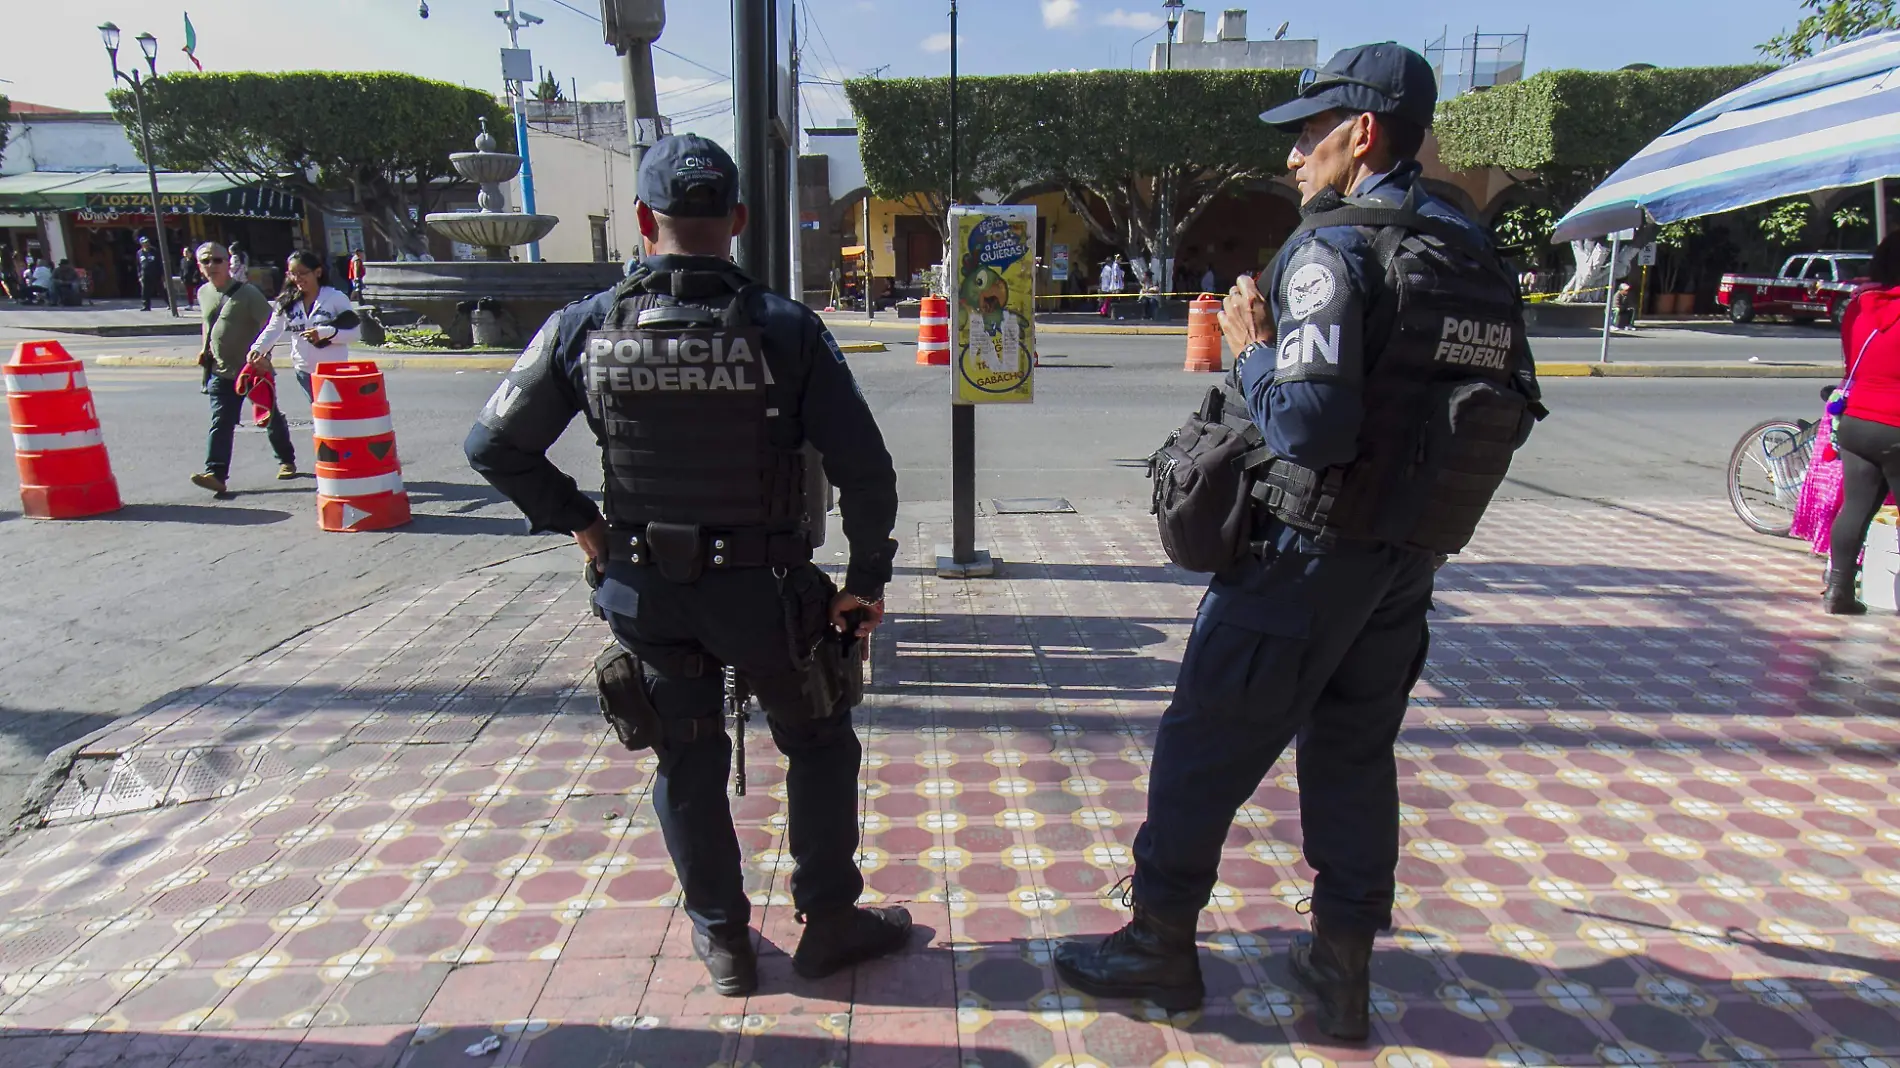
208	260
1312	81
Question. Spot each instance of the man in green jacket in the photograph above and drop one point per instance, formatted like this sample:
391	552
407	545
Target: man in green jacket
235	313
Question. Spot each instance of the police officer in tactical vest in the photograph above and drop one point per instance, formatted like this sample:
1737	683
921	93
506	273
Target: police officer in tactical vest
704	391
1388	381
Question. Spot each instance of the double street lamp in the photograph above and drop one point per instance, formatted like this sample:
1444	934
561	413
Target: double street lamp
148	45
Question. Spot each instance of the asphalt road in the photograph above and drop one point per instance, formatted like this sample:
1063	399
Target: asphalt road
107	616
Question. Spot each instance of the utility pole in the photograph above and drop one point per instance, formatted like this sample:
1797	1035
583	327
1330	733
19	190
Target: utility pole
1164	181
631	26
963	552
515	20
752	73
795	250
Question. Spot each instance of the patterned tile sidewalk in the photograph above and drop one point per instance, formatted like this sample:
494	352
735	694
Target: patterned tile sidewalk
1651	815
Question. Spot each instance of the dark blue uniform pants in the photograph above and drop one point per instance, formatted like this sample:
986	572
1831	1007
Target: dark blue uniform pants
734	617
1324	648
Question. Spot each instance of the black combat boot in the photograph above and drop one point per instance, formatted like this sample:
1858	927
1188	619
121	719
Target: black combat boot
1336	966
1840	599
1153	957
834	941
732	962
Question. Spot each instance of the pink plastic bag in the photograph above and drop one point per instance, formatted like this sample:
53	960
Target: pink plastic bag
1820	497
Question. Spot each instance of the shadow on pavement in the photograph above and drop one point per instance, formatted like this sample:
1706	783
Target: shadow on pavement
201	514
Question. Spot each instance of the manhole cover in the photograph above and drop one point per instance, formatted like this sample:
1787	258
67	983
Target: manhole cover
1032	506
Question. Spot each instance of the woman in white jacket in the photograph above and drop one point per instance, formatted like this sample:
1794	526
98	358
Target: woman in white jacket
318	317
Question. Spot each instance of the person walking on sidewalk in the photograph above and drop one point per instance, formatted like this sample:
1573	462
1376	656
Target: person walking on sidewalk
1867	429
1317	629
704	389
234	314
318	317
151	272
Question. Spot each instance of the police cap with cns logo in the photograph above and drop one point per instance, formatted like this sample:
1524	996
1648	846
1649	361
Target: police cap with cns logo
678	165
1385	79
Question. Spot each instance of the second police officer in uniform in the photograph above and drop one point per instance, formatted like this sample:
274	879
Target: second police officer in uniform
704	390
1389	380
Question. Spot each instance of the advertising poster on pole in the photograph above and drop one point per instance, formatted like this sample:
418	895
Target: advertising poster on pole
992	316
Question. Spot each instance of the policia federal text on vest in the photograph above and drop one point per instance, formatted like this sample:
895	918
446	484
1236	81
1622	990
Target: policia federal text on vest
1450	399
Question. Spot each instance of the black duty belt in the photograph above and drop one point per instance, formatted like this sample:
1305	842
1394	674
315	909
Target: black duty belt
717	550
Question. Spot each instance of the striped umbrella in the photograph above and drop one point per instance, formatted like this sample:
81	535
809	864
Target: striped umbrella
1829	121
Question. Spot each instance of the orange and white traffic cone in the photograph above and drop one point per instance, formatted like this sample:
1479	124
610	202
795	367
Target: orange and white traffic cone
1203	341
933	332
61	452
359	478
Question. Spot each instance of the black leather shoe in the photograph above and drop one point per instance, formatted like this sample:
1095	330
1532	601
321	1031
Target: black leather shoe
732	962
1154	957
834	941
1336	967
1840	600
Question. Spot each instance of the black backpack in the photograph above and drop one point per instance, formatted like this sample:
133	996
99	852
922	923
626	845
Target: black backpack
1203	479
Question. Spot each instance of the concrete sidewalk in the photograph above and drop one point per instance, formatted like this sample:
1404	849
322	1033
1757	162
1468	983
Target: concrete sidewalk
103	318
1651	815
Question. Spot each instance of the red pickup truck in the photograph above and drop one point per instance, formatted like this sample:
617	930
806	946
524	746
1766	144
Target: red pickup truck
1811	285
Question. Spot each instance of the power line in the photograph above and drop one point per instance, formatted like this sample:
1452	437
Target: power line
694	62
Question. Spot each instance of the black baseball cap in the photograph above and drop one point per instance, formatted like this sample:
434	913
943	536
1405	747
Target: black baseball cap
1385	79
676	165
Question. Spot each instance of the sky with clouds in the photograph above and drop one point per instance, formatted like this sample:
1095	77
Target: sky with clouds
51	53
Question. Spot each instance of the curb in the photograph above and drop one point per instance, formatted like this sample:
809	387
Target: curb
189	328
391	362
1686	370
910	325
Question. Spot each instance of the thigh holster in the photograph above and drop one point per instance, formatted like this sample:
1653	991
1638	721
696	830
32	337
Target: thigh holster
626	703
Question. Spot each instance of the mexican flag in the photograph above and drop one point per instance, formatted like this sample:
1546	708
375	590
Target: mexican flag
191	43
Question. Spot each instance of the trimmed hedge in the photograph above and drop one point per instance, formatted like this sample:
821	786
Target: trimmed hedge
1576	118
1023	130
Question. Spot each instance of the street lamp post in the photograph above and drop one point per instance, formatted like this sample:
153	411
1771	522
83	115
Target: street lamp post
148	45
1164	186
515	20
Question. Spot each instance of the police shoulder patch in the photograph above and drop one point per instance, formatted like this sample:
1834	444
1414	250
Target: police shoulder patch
1320	328
831	343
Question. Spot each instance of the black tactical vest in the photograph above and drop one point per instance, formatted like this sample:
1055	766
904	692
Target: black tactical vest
677	376
1449	395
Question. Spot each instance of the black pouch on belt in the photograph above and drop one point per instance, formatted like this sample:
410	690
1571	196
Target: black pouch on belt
829	680
678	550
624	700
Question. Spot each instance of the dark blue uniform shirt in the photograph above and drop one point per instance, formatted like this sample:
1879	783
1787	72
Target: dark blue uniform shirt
812	386
1328	332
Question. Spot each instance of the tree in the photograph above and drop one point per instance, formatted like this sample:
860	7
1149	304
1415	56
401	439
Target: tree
1828	23
364	144
1572	128
6	122
1524	228
1786	222
1108	140
548	88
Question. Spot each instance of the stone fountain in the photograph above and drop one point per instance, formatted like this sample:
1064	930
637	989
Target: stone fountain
495	301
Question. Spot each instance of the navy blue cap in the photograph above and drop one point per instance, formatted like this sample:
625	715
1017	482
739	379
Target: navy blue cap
676	165
1385	79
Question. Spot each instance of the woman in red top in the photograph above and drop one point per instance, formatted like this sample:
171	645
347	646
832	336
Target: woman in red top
1868	433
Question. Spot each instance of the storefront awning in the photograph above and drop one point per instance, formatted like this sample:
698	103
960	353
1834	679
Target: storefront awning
101	195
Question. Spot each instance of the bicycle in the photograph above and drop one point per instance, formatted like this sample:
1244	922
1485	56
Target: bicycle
1765	473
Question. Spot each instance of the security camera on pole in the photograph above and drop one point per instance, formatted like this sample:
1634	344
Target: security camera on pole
632	26
517	69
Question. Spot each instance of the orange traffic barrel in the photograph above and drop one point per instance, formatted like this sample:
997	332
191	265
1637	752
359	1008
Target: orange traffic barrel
359	479
933	332
64	470
1203	342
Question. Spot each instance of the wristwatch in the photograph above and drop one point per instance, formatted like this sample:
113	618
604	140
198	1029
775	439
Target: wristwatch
1247	353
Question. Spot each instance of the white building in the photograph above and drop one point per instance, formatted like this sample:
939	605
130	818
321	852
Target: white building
583	173
1230	48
